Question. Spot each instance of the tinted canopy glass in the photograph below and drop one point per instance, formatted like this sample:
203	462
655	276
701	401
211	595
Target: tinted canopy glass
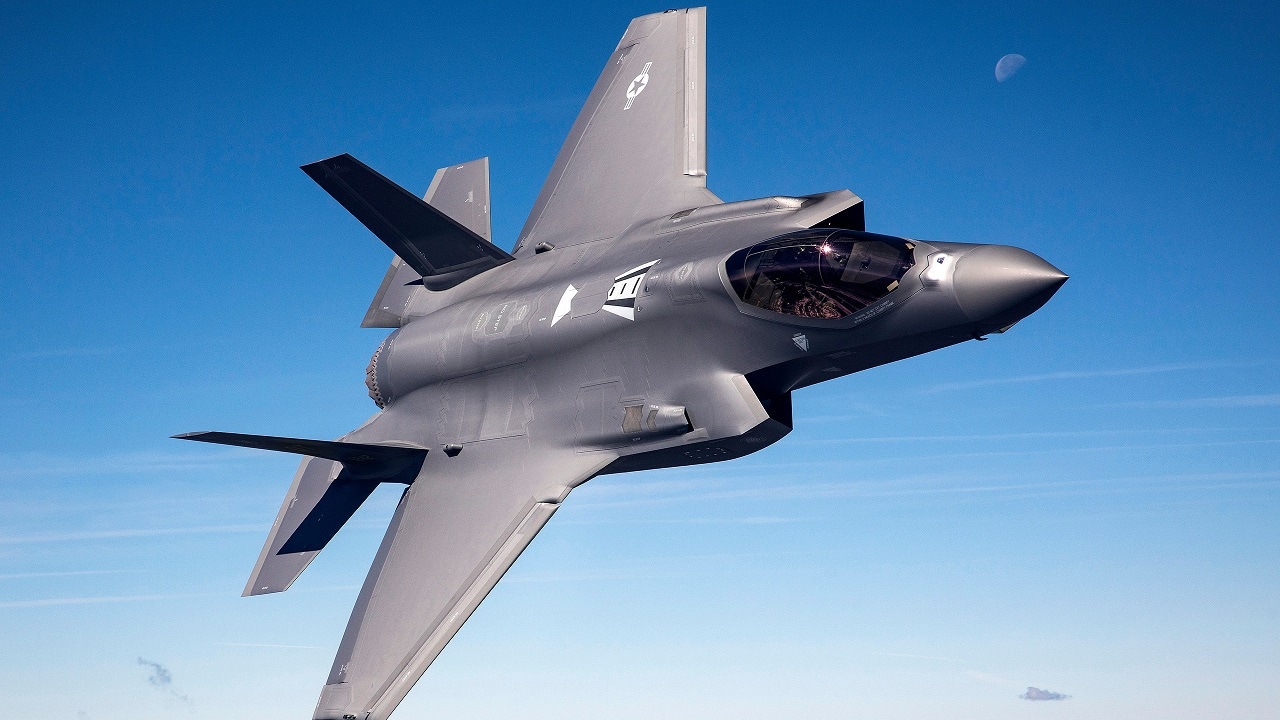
822	274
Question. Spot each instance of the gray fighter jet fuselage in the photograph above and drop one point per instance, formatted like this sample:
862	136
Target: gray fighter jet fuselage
639	323
651	342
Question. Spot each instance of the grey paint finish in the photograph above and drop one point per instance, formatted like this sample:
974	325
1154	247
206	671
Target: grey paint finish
330	486
452	539
645	338
462	193
442	250
638	148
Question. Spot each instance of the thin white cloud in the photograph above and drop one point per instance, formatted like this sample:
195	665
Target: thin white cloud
757	520
270	646
1034	435
66	352
94	600
1222	401
64	573
323	588
21	465
129	533
867	464
913	656
926	485
1090	449
601	576
651	568
1078	375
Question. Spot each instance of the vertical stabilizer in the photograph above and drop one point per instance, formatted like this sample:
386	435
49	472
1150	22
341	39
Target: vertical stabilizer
462	193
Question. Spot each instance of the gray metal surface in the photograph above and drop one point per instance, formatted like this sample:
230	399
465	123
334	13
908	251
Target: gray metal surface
642	324
460	192
638	148
441	250
451	540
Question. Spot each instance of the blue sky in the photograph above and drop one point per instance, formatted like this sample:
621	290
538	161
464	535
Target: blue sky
1087	504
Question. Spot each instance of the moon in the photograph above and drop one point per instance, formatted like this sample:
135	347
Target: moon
1008	65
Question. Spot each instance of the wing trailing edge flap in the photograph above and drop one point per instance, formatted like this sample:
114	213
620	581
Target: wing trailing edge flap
449	543
462	193
330	485
443	251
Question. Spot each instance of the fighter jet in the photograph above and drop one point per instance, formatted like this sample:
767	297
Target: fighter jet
639	323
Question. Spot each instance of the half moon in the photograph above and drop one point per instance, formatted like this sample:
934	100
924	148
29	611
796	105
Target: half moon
1008	65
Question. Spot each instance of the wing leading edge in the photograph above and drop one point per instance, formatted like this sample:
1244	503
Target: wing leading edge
638	147
451	539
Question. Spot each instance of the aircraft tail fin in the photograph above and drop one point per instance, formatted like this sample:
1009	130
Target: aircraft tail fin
460	192
439	248
331	484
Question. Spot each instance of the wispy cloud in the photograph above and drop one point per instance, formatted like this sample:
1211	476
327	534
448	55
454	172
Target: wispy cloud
64	573
270	645
161	679
1035	693
755	520
20	465
654	568
1033	435
67	352
1078	375
929	485
128	533
93	600
323	588
913	656
1221	401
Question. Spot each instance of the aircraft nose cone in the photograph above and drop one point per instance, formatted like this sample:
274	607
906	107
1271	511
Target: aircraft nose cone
999	280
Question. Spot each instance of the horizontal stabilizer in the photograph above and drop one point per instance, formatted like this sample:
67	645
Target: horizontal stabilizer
331	484
442	250
383	463
336	506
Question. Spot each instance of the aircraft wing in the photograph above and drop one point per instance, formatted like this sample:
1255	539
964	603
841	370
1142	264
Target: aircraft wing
455	532
638	148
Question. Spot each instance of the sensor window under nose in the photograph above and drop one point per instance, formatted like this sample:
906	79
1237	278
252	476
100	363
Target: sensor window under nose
821	274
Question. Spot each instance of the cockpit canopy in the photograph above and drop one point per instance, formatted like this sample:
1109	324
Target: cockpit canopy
822	274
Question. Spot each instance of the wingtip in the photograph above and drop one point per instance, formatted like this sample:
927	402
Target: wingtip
340	156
